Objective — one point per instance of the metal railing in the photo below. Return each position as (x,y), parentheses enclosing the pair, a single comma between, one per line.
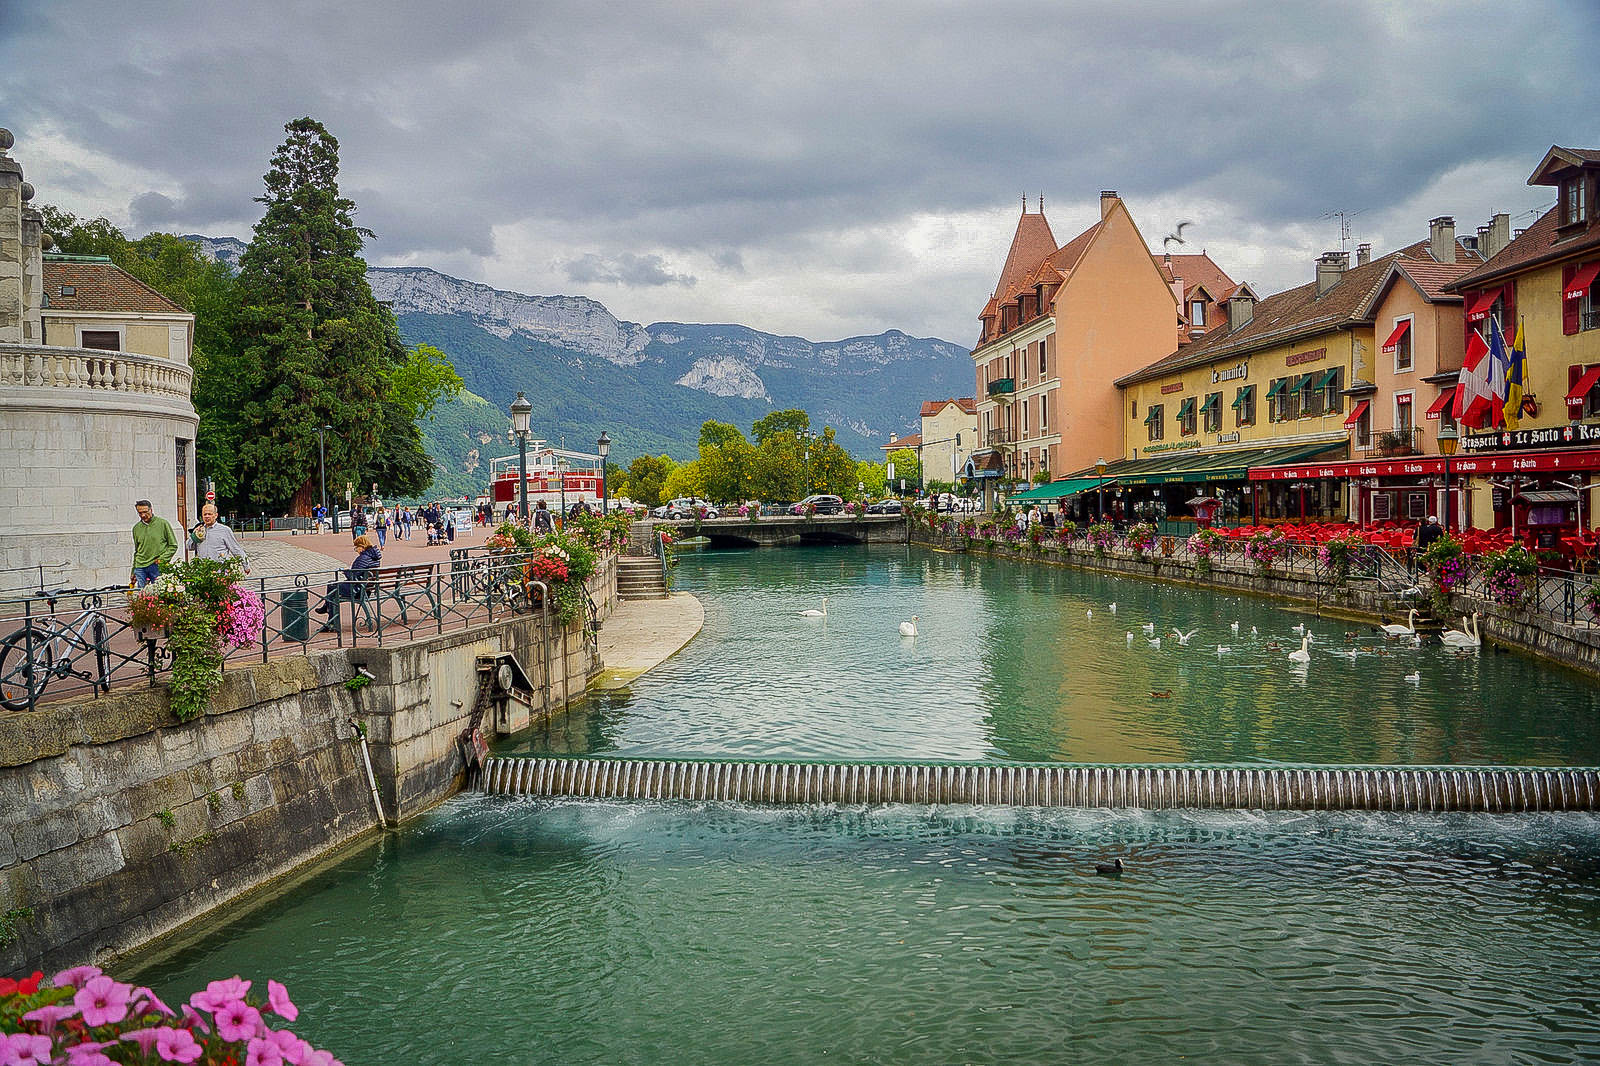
(63,642)
(1002,386)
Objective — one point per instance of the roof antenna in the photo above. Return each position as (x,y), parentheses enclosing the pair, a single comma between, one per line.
(1024,203)
(1041,203)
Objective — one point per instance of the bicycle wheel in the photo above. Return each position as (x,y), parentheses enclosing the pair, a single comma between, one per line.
(22,680)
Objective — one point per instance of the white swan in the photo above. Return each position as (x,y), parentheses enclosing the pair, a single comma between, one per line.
(1089,614)
(1184,638)
(1408,630)
(1302,656)
(1299,628)
(1156,643)
(1149,629)
(814,613)
(1223,649)
(1130,638)
(1235,628)
(1112,607)
(1414,676)
(909,629)
(1465,637)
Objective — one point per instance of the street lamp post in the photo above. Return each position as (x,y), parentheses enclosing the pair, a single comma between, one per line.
(1100,489)
(521,412)
(561,475)
(603,446)
(1447,438)
(322,471)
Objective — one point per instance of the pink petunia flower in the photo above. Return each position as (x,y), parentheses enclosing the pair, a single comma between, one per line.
(25,1049)
(177,1045)
(103,1000)
(237,1021)
(145,1038)
(322,1058)
(77,977)
(89,1054)
(220,994)
(191,1019)
(49,1016)
(146,1000)
(278,1000)
(263,1051)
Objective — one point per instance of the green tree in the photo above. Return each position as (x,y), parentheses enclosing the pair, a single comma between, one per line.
(684,480)
(726,462)
(906,465)
(832,468)
(871,475)
(71,235)
(646,476)
(426,377)
(318,348)
(779,472)
(792,421)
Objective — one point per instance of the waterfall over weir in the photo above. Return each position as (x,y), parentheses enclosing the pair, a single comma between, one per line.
(1365,788)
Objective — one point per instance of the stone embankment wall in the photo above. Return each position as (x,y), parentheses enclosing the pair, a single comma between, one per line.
(118,823)
(1575,646)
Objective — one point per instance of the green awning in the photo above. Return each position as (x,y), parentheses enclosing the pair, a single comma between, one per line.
(1057,490)
(1214,400)
(1244,395)
(1300,383)
(1152,414)
(1277,387)
(1208,466)
(1185,408)
(1326,379)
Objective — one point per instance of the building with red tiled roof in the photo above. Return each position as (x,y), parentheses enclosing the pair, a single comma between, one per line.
(90,302)
(1061,325)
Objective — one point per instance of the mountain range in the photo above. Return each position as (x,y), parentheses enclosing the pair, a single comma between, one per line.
(650,387)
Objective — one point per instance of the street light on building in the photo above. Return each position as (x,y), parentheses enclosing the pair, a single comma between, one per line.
(603,446)
(1447,438)
(521,414)
(1100,489)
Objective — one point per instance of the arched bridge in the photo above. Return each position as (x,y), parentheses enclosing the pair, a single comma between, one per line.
(785,532)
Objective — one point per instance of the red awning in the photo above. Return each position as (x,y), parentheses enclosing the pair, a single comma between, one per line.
(1579,287)
(1480,307)
(1584,384)
(1394,338)
(1357,411)
(1444,400)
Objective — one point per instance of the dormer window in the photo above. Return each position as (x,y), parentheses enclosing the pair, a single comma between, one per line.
(1197,314)
(1574,201)
(69,290)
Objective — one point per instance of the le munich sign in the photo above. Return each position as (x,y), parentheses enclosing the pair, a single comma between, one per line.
(1576,436)
(1233,373)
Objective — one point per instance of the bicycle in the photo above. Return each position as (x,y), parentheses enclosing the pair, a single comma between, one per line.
(45,648)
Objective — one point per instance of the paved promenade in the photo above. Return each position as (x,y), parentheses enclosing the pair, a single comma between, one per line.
(642,634)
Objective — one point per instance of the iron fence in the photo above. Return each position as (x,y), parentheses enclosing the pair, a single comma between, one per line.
(62,642)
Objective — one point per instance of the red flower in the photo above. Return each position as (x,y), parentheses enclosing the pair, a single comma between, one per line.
(30,984)
(8,987)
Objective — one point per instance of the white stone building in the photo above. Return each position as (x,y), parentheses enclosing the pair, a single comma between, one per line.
(95,408)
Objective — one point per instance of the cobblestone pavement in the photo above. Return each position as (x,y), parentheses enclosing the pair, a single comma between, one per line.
(271,557)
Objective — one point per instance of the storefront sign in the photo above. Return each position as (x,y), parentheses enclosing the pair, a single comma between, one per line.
(1175,446)
(1433,465)
(1233,373)
(1228,438)
(1402,399)
(1577,436)
(1306,357)
(1172,386)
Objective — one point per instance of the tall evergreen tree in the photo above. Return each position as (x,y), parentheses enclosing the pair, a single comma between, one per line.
(319,349)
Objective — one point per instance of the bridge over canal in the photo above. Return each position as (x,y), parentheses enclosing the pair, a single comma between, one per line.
(787,532)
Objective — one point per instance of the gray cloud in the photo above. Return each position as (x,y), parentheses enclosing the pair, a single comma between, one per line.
(733,139)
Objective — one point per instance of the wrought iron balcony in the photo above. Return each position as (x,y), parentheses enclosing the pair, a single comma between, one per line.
(1002,387)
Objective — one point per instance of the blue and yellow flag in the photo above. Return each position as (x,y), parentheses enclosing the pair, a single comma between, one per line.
(1514,378)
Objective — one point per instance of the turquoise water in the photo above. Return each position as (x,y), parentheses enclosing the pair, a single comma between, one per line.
(1008,665)
(507,930)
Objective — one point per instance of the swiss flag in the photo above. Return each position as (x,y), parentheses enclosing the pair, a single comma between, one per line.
(1474,404)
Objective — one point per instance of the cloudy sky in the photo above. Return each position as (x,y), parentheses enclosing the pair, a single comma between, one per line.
(808,168)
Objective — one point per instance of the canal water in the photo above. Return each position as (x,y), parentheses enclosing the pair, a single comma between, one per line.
(501,930)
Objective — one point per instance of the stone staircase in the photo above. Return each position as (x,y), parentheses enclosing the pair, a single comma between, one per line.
(640,578)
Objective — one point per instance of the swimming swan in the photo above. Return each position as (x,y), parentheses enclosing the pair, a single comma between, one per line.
(1408,630)
(1303,655)
(1466,636)
(814,613)
(909,629)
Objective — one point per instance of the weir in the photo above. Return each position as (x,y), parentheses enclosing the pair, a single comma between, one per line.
(1490,789)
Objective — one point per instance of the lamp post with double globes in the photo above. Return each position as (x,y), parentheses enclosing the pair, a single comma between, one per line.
(603,446)
(1100,489)
(1447,438)
(521,413)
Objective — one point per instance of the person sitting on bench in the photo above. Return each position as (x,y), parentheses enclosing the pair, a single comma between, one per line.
(367,558)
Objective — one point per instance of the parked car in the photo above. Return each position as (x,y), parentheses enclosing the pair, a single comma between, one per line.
(889,506)
(824,503)
(685,507)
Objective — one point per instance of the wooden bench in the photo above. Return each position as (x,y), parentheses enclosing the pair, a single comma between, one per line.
(400,584)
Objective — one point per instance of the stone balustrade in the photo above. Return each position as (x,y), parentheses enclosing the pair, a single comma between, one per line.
(33,365)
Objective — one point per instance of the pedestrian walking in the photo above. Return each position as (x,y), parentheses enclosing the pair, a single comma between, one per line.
(381,522)
(213,540)
(154,545)
(541,519)
(450,525)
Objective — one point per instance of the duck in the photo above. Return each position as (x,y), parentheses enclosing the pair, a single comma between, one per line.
(1223,649)
(1235,628)
(1302,656)
(814,613)
(1184,638)
(909,629)
(1149,629)
(1112,607)
(1164,694)
(1113,868)
(1395,630)
(1156,643)
(1299,628)
(1253,631)
(1130,638)
(1465,637)
(1089,614)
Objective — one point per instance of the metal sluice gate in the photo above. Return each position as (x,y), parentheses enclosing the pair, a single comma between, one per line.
(1492,789)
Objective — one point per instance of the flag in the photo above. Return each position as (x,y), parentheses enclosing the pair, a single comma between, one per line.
(1499,364)
(1472,395)
(1514,376)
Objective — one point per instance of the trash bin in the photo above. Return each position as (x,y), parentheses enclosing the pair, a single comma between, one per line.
(295,615)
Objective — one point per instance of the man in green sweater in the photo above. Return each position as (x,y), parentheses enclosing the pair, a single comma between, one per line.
(154,545)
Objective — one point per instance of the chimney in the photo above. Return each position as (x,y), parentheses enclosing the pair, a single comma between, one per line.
(1241,309)
(1363,254)
(1442,239)
(1107,198)
(13,305)
(1330,268)
(1493,238)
